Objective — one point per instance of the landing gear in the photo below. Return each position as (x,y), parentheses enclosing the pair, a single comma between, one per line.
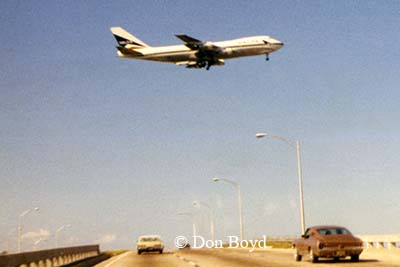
(202,64)
(205,64)
(267,57)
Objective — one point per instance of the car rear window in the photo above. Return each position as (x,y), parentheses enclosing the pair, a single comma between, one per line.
(149,239)
(333,231)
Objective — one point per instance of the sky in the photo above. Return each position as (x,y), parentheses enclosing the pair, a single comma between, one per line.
(117,148)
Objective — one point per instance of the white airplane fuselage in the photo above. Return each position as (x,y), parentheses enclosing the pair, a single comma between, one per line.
(248,46)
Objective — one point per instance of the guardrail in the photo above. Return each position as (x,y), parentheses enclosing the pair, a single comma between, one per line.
(381,241)
(49,258)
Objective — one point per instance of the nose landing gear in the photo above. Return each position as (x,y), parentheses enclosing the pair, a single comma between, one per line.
(267,57)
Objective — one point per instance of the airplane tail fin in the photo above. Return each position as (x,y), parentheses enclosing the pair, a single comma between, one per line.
(124,38)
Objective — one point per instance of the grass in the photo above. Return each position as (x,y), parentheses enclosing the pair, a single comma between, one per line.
(279,243)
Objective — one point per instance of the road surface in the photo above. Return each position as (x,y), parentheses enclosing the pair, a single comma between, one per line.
(228,258)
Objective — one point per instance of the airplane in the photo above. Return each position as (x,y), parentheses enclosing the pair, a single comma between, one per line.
(194,53)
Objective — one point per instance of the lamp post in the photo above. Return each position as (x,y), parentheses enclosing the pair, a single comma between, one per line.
(211,216)
(296,146)
(58,231)
(239,197)
(20,226)
(188,214)
(37,242)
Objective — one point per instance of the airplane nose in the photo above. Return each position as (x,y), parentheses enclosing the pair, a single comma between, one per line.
(278,45)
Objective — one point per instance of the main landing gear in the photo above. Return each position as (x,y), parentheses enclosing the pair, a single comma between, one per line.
(267,57)
(205,64)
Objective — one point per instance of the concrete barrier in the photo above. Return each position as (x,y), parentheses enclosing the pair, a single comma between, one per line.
(381,241)
(49,258)
(89,262)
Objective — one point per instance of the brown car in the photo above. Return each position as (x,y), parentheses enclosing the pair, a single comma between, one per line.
(328,242)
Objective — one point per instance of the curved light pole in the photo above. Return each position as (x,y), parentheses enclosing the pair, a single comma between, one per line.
(188,214)
(20,226)
(296,146)
(211,214)
(37,242)
(239,196)
(59,230)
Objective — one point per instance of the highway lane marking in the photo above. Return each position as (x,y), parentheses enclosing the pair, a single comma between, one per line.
(118,258)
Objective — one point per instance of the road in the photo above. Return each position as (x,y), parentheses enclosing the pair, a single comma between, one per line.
(228,258)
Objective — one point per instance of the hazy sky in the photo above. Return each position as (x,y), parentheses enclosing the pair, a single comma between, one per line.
(117,148)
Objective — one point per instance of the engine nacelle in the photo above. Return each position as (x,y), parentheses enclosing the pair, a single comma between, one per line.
(219,62)
(193,65)
(208,45)
(211,47)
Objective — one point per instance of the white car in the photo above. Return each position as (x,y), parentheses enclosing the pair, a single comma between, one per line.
(149,243)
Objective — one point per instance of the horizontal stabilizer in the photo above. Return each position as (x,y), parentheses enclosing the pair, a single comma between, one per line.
(125,51)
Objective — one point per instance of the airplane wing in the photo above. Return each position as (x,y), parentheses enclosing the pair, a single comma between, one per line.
(190,42)
(207,53)
(196,44)
(187,39)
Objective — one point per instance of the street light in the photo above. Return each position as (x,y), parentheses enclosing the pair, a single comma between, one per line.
(211,214)
(239,196)
(59,230)
(20,226)
(37,242)
(188,214)
(295,145)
